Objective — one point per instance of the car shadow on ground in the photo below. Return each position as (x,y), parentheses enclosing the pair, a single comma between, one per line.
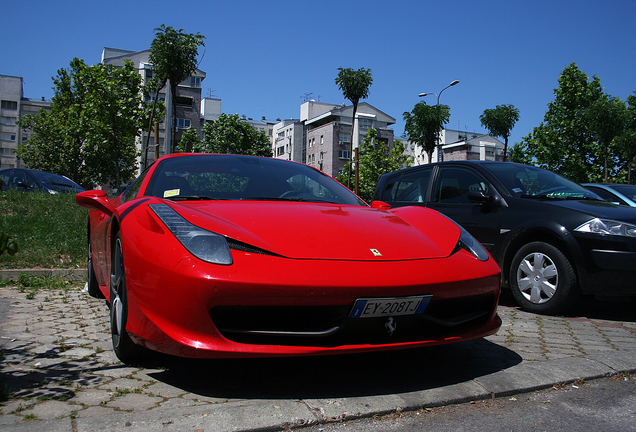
(619,309)
(341,376)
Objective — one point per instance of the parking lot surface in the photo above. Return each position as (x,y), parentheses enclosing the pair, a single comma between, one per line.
(58,371)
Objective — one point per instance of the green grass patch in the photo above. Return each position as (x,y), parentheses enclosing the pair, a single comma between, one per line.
(50,230)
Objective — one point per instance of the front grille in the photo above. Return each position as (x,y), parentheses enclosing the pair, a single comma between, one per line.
(329,326)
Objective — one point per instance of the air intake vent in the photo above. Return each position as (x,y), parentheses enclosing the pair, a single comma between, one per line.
(242,247)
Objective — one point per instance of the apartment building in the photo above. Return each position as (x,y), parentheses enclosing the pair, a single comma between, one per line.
(323,135)
(13,106)
(190,105)
(458,145)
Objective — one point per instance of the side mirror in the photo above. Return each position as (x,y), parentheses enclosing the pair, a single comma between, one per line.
(479,197)
(95,200)
(380,205)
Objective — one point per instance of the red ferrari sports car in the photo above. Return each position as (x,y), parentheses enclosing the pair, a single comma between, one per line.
(215,256)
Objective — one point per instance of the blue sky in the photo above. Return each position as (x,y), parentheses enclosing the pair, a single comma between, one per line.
(263,57)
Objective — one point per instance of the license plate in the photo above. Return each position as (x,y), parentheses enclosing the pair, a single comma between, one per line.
(379,307)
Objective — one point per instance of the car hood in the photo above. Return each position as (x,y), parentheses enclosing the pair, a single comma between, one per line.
(599,209)
(305,230)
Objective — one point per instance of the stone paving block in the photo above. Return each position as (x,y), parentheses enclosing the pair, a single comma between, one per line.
(96,411)
(135,402)
(51,410)
(91,396)
(122,384)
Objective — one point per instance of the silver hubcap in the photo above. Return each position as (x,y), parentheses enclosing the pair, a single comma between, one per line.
(537,278)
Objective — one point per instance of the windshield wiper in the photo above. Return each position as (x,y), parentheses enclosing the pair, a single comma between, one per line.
(194,198)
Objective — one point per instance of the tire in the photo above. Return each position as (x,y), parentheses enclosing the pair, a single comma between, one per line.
(542,279)
(92,285)
(125,349)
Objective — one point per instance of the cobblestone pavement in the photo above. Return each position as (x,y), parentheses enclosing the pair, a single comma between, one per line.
(57,361)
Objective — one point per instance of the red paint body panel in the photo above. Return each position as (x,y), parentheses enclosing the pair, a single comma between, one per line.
(320,256)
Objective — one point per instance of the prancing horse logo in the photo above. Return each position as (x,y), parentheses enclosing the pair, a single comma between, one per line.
(390,326)
(375,252)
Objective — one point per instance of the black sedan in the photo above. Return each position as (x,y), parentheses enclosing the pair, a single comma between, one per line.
(28,180)
(553,239)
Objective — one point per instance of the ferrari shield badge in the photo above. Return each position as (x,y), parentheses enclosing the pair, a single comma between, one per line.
(375,252)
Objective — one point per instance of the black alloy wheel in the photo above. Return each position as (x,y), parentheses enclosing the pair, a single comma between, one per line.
(125,349)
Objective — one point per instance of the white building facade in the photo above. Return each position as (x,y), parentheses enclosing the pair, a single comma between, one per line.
(14,106)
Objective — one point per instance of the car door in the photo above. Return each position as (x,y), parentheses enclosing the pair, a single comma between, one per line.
(449,196)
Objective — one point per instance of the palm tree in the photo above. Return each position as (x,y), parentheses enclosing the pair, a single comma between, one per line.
(355,86)
(173,55)
(499,122)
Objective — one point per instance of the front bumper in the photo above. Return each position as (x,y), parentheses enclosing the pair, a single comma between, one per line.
(609,264)
(272,306)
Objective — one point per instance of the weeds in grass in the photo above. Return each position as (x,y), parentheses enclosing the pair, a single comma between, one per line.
(49,229)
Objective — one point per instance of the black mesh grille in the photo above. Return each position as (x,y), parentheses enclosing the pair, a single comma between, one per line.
(329,326)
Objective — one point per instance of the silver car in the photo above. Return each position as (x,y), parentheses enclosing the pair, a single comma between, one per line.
(621,194)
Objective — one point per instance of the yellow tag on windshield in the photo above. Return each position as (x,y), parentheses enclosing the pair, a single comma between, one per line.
(171,193)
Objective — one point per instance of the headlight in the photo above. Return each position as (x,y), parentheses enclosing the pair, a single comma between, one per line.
(203,244)
(469,243)
(608,227)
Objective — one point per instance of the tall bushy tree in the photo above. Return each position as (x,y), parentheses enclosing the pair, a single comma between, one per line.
(88,136)
(606,118)
(189,140)
(376,159)
(354,85)
(423,124)
(229,134)
(626,142)
(564,141)
(499,122)
(173,55)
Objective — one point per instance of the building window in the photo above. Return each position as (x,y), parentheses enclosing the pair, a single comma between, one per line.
(343,154)
(184,101)
(195,82)
(183,123)
(344,138)
(10,105)
(365,123)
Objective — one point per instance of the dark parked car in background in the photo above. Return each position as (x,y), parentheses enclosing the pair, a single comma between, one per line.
(621,194)
(29,180)
(553,239)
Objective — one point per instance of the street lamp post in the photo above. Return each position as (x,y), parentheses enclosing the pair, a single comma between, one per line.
(455,82)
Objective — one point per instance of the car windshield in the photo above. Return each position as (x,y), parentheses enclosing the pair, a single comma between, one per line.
(54,179)
(628,190)
(531,182)
(234,177)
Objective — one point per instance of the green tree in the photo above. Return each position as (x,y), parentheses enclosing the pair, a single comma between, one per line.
(563,142)
(376,159)
(189,140)
(423,124)
(173,55)
(88,136)
(229,134)
(354,85)
(606,117)
(499,122)
(626,142)
(518,153)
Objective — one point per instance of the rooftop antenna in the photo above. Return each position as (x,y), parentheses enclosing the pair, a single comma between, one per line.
(306,97)
(210,91)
